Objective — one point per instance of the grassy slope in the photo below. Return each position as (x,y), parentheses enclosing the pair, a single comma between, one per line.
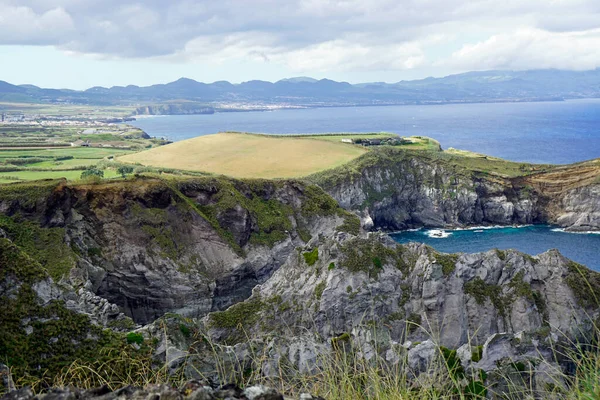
(245,155)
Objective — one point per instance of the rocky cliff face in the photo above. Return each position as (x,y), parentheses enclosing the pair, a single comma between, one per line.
(387,303)
(393,190)
(152,246)
(413,293)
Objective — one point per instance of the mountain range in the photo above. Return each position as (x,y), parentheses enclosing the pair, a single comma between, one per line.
(486,86)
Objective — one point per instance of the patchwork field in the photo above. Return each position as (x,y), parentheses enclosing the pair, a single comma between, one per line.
(37,151)
(251,156)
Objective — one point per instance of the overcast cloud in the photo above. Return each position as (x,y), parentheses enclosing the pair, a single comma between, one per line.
(307,36)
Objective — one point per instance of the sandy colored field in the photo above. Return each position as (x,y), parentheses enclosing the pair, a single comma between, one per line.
(249,156)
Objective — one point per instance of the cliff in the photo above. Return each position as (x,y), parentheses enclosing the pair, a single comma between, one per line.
(174,109)
(153,246)
(214,277)
(407,307)
(394,189)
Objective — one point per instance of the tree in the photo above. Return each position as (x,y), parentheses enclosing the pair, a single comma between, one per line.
(124,170)
(92,173)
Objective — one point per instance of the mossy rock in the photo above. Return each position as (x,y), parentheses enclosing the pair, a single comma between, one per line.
(502,300)
(45,245)
(369,255)
(136,338)
(585,285)
(237,319)
(29,194)
(453,363)
(319,289)
(351,224)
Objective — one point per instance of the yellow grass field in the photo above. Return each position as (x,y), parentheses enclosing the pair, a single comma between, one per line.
(249,156)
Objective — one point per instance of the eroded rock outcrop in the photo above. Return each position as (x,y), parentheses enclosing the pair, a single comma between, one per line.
(410,304)
(399,190)
(417,293)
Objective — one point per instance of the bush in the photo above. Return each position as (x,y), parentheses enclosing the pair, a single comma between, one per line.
(133,337)
(91,173)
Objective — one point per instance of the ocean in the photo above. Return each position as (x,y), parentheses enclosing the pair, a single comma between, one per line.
(530,239)
(542,132)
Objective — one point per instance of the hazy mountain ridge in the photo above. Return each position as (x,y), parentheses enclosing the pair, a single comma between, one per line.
(487,86)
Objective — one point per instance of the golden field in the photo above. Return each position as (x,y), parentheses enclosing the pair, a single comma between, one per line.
(250,156)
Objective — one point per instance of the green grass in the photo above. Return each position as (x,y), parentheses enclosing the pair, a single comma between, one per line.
(28,194)
(17,176)
(337,137)
(75,162)
(76,152)
(491,165)
(40,158)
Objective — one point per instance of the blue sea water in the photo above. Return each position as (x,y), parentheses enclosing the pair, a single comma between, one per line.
(532,239)
(542,132)
(548,132)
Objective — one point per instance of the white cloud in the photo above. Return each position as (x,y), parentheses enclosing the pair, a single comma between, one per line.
(347,56)
(317,35)
(22,25)
(530,48)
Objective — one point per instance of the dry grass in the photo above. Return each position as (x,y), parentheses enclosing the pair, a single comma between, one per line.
(250,156)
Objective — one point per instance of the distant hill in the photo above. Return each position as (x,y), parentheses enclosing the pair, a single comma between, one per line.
(487,86)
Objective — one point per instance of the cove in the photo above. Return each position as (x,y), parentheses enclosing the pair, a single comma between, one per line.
(531,239)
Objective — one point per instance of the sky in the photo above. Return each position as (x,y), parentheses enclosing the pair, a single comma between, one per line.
(78,44)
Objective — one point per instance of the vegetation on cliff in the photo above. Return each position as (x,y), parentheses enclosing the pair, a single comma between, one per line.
(43,341)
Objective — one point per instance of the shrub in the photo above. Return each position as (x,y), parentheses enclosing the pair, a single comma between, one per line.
(133,337)
(311,257)
(92,173)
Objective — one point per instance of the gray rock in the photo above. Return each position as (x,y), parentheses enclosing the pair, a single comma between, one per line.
(261,392)
(21,394)
(421,358)
(6,379)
